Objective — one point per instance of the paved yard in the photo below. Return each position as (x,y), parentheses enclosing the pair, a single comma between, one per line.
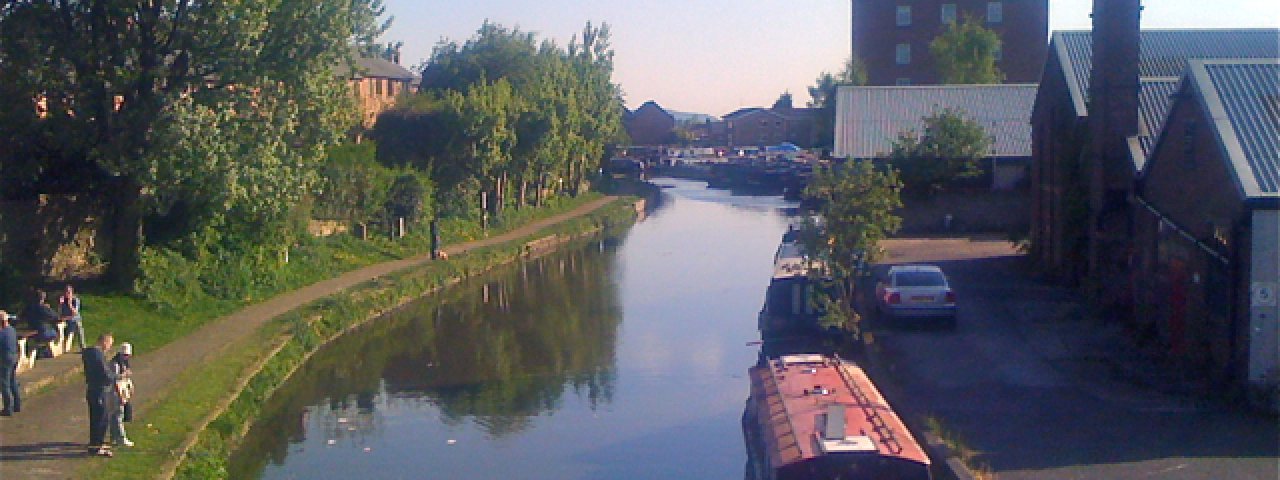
(1046,393)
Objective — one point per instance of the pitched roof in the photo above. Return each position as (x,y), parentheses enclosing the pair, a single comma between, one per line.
(869,119)
(1155,96)
(1162,53)
(1242,100)
(373,67)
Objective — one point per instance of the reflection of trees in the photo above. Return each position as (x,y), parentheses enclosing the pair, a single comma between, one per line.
(497,350)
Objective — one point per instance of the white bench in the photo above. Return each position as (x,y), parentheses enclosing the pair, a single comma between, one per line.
(26,359)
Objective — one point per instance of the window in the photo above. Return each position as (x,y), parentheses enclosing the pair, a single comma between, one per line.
(903,81)
(904,15)
(903,53)
(995,12)
(948,13)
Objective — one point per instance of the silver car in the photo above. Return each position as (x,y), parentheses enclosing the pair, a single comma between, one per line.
(916,292)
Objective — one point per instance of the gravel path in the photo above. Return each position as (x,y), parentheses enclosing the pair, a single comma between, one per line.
(46,440)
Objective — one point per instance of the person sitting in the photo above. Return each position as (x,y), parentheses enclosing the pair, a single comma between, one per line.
(41,318)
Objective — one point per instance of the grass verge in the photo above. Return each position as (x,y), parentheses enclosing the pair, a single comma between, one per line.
(193,427)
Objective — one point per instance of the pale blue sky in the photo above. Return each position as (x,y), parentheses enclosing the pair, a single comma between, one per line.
(715,56)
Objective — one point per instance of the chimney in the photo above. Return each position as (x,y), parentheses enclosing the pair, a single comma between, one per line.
(1113,82)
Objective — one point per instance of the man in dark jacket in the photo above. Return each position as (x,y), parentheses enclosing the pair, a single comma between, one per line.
(100,382)
(9,390)
(40,317)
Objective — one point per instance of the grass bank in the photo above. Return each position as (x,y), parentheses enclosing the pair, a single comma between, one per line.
(197,424)
(149,326)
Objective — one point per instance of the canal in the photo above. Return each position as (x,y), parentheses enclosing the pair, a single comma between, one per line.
(615,358)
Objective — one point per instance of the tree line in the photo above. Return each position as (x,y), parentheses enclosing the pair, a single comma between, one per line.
(213,129)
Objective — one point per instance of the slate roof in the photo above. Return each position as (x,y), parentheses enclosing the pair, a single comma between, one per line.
(372,67)
(869,119)
(1242,100)
(1162,53)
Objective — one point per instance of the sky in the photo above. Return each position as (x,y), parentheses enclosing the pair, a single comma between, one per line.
(715,56)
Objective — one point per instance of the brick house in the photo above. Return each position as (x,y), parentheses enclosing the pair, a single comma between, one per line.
(1069,188)
(1206,264)
(892,37)
(377,83)
(650,124)
(761,127)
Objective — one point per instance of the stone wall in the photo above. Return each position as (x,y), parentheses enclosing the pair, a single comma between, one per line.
(978,211)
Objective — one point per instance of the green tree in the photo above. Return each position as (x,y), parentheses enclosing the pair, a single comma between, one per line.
(857,203)
(123,97)
(823,97)
(950,148)
(966,54)
(783,102)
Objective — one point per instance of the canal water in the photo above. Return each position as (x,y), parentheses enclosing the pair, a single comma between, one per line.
(616,358)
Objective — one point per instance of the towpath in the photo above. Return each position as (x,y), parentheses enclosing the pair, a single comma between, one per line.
(47,439)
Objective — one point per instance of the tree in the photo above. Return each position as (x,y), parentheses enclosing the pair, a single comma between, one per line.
(966,54)
(949,148)
(823,97)
(368,25)
(857,201)
(125,97)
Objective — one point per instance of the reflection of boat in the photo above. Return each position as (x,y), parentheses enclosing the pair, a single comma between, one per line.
(811,416)
(790,307)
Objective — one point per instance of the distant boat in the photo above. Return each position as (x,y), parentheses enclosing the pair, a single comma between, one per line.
(811,416)
(790,306)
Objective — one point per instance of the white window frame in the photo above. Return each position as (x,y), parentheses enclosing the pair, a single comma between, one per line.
(948,13)
(995,12)
(902,54)
(904,16)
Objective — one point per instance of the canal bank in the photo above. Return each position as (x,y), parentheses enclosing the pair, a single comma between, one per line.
(624,358)
(197,373)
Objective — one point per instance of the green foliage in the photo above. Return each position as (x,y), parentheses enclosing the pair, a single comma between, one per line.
(215,110)
(966,54)
(509,117)
(409,198)
(949,148)
(823,97)
(857,203)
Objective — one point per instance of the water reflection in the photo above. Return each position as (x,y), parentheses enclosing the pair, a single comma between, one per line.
(617,359)
(496,352)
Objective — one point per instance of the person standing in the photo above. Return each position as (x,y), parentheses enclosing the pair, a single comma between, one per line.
(69,310)
(12,395)
(100,384)
(123,395)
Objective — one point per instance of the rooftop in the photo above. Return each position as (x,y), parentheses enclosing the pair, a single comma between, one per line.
(869,119)
(1242,99)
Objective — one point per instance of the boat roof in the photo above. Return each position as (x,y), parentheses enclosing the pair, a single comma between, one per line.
(811,405)
(791,262)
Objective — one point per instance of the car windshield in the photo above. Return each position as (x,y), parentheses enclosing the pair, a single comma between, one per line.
(920,279)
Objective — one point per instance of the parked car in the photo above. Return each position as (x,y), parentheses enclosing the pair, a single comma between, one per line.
(916,292)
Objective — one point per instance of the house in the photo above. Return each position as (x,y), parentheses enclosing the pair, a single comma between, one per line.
(1066,166)
(892,38)
(754,126)
(650,124)
(870,119)
(1207,257)
(377,83)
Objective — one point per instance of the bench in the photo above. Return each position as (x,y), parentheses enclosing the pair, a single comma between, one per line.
(29,347)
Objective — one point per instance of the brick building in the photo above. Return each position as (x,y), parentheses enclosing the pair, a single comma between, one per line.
(1064,199)
(761,127)
(650,124)
(1206,264)
(377,83)
(892,37)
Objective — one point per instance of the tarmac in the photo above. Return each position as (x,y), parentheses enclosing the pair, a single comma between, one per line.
(47,440)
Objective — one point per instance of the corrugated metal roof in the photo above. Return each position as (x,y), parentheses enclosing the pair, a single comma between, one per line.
(869,119)
(1154,100)
(1163,53)
(372,67)
(1242,98)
